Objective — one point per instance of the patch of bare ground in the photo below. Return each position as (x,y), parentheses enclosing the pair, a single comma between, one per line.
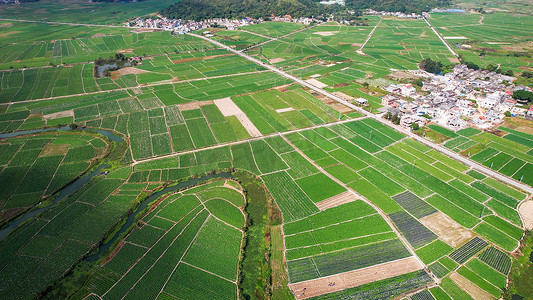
(131,70)
(142,30)
(447,229)
(343,96)
(6,24)
(54,149)
(337,200)
(61,114)
(10,213)
(453,60)
(193,105)
(130,50)
(277,60)
(98,35)
(8,33)
(189,59)
(473,290)
(526,212)
(519,124)
(357,44)
(339,282)
(332,103)
(401,75)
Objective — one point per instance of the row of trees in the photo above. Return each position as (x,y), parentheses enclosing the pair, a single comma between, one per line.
(234,9)
(411,6)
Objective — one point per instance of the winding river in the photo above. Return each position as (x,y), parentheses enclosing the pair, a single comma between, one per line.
(63,193)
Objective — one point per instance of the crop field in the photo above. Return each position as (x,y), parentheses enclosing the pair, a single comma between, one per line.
(274,29)
(36,167)
(188,246)
(350,195)
(509,154)
(498,34)
(402,44)
(68,44)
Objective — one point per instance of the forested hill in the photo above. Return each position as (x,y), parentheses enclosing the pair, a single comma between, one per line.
(406,6)
(232,9)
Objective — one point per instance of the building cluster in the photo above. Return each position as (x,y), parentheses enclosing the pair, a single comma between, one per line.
(182,27)
(393,14)
(461,98)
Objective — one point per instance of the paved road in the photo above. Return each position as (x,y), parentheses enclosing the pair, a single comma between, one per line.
(442,149)
(441,38)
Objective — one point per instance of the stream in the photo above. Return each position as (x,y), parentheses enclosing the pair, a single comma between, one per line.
(63,193)
(144,204)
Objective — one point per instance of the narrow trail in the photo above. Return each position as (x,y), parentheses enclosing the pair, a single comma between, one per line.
(61,23)
(360,50)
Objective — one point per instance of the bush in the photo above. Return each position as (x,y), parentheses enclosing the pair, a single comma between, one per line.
(523,95)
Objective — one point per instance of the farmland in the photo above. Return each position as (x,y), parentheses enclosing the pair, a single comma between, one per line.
(348,206)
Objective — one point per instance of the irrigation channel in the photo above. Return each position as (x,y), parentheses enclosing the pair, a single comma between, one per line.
(63,193)
(144,204)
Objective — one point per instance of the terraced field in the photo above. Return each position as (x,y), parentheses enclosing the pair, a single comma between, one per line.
(360,210)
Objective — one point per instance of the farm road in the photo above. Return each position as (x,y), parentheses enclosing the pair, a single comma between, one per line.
(440,148)
(133,87)
(375,207)
(360,50)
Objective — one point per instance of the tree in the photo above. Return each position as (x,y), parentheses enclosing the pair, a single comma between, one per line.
(523,95)
(507,113)
(415,126)
(431,66)
(527,74)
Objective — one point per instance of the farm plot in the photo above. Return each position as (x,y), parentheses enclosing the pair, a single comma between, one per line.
(468,250)
(41,251)
(193,249)
(37,167)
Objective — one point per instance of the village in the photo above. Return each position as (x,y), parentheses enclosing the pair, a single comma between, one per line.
(461,98)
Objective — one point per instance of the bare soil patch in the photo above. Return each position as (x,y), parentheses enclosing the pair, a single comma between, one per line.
(8,33)
(326,33)
(454,60)
(473,290)
(526,212)
(343,96)
(316,83)
(401,75)
(189,59)
(282,110)
(6,24)
(130,50)
(519,124)
(115,251)
(338,282)
(131,70)
(337,200)
(98,35)
(333,104)
(142,30)
(447,229)
(54,149)
(227,107)
(61,114)
(357,44)
(248,125)
(277,60)
(193,105)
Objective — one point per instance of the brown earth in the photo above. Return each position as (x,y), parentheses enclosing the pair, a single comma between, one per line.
(338,282)
(454,60)
(61,114)
(131,70)
(357,44)
(332,103)
(447,229)
(6,24)
(473,290)
(54,149)
(185,60)
(98,35)
(337,200)
(526,212)
(142,30)
(193,105)
(8,33)
(115,251)
(519,124)
(276,60)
